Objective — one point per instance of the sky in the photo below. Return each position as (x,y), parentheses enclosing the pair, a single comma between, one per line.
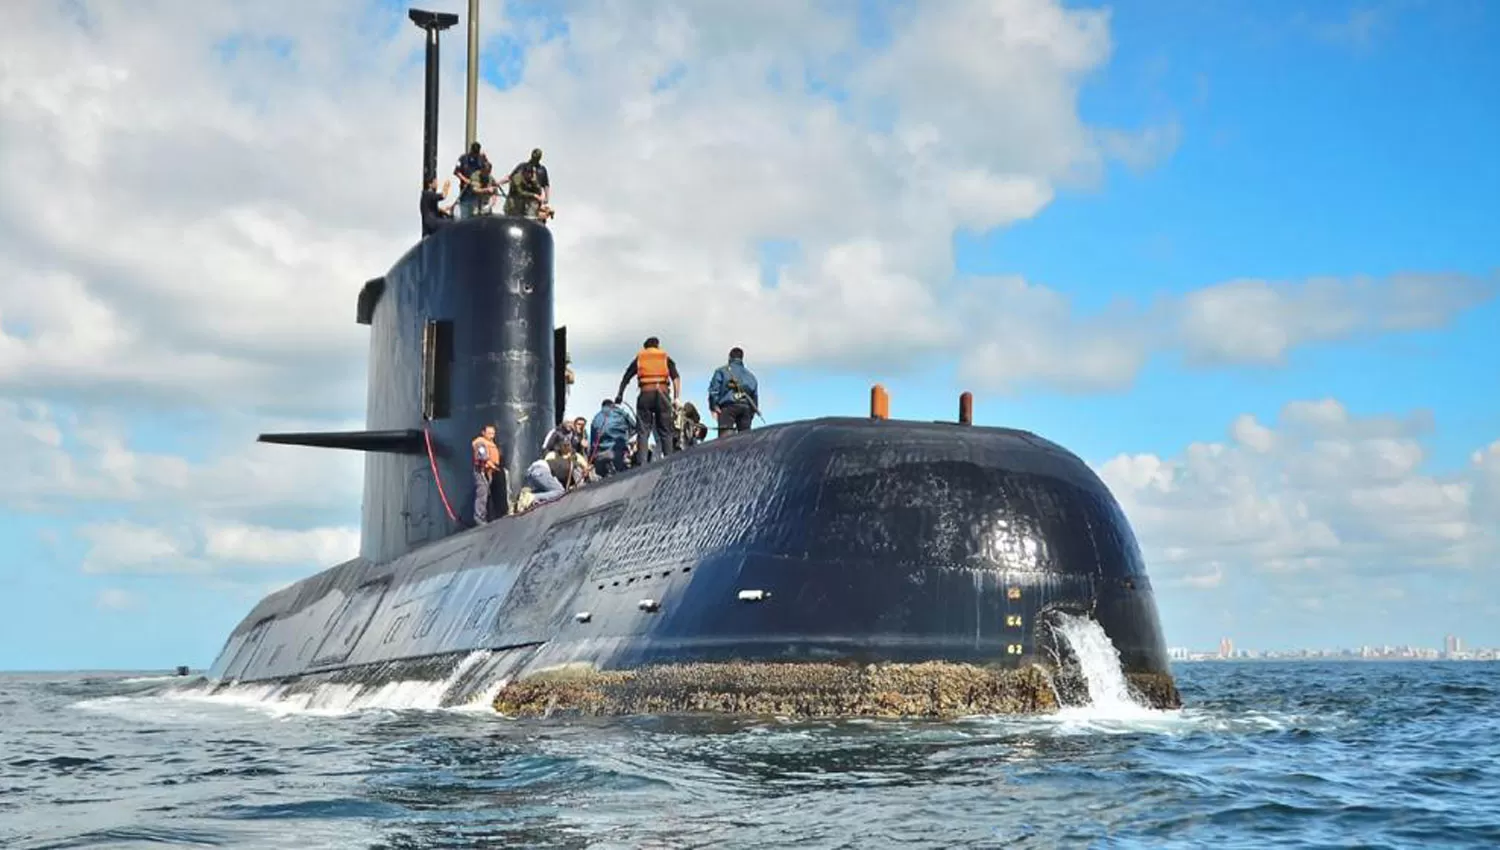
(1240,257)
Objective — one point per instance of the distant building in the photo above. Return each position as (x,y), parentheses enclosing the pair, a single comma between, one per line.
(1452,645)
(1226,648)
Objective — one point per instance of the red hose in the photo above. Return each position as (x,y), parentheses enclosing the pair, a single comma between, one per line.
(432,460)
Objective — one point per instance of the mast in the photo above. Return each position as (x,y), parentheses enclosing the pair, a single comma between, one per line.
(433,23)
(473,92)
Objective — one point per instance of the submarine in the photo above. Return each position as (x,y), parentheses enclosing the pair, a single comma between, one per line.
(838,566)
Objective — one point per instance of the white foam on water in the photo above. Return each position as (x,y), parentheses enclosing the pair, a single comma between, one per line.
(326,700)
(1111,709)
(165,677)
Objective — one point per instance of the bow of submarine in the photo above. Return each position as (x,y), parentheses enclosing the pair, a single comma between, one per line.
(853,540)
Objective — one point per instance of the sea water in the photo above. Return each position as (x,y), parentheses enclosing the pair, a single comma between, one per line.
(1290,754)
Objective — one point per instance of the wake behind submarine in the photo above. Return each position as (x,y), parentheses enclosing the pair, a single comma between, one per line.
(842,566)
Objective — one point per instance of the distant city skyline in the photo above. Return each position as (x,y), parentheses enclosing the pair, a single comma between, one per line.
(1452,649)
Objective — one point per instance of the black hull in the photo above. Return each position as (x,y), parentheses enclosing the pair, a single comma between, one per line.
(869,540)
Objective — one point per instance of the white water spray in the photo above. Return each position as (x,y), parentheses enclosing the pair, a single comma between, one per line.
(332,699)
(1099,662)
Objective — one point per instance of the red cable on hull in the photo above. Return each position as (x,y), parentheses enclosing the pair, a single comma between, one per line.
(438,479)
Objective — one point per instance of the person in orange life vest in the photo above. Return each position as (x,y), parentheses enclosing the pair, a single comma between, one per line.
(654,409)
(486,463)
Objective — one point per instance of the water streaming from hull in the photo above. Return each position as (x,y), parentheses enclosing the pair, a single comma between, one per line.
(1091,683)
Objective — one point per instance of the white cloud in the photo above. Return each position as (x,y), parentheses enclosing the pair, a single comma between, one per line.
(55,458)
(1321,490)
(1258,321)
(209,220)
(127,547)
(232,509)
(115,599)
(236,199)
(201,546)
(195,192)
(316,547)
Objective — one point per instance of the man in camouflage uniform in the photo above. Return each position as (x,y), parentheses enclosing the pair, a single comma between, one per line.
(529,187)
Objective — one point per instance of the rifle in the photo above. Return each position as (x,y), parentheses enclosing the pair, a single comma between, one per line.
(733,386)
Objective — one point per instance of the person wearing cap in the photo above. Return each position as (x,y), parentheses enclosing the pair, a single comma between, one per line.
(654,407)
(530,187)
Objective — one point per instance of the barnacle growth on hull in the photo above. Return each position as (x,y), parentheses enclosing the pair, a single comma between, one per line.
(933,689)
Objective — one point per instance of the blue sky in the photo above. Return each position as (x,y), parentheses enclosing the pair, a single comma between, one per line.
(1337,140)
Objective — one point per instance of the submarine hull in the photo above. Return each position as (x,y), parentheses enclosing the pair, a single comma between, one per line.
(787,569)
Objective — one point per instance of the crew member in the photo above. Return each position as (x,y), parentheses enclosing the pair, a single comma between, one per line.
(580,436)
(486,464)
(552,476)
(530,187)
(609,437)
(563,433)
(485,189)
(468,166)
(570,467)
(435,216)
(733,394)
(652,369)
(690,427)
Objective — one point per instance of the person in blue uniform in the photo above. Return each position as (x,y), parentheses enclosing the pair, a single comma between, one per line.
(468,167)
(609,437)
(734,394)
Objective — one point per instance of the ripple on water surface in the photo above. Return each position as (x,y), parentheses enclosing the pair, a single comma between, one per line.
(1278,755)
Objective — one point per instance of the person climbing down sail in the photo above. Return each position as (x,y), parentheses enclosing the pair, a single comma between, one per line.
(653,369)
(734,394)
(486,457)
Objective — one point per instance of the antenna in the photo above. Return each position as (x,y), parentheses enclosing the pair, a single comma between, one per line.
(433,23)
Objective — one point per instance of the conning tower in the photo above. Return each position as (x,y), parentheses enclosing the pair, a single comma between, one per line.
(461,335)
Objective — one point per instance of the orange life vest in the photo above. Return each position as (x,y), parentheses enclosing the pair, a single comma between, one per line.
(491,461)
(651,368)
